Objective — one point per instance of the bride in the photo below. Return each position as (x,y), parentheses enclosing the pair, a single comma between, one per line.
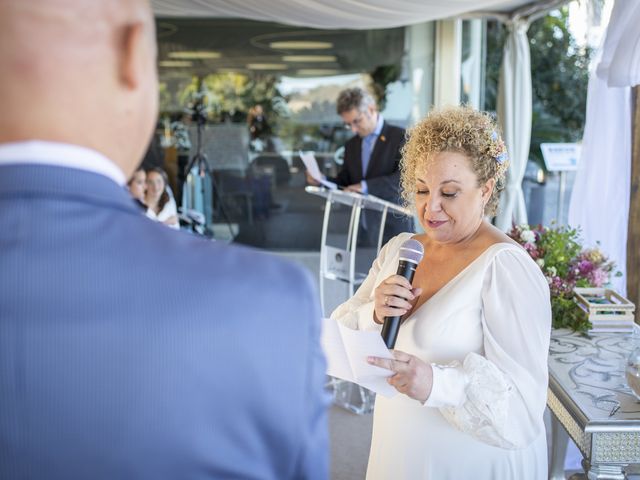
(471,354)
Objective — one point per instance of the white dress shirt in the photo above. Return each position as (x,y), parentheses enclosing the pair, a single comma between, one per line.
(38,152)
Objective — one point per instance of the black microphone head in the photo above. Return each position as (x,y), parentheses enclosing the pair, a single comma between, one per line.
(411,251)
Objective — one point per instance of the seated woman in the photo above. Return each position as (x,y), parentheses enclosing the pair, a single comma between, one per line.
(471,354)
(138,187)
(160,203)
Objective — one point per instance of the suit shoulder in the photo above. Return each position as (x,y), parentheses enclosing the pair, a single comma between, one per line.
(267,270)
(393,130)
(353,141)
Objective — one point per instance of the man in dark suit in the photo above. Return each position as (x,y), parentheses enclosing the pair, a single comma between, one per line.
(129,350)
(371,158)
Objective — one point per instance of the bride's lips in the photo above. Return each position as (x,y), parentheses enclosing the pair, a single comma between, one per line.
(435,223)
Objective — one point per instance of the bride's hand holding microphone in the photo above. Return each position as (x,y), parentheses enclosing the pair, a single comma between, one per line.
(393,297)
(412,376)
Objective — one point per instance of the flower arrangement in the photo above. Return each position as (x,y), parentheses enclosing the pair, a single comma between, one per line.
(565,264)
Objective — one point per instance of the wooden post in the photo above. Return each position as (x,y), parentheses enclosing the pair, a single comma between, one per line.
(633,235)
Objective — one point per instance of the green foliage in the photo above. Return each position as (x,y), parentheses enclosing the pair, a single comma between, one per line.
(566,314)
(560,74)
(382,76)
(226,94)
(565,264)
(560,247)
(233,92)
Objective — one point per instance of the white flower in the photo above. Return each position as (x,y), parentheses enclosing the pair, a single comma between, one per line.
(552,271)
(540,262)
(528,236)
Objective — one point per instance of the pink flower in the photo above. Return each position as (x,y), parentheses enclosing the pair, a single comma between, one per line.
(598,277)
(532,250)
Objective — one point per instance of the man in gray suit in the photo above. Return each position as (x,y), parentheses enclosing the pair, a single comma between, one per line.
(129,350)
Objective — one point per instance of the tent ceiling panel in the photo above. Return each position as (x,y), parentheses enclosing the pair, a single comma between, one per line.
(251,46)
(332,14)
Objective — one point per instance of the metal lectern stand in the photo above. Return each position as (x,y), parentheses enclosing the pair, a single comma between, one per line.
(341,265)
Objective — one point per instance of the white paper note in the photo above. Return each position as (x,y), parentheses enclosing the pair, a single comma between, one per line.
(309,160)
(347,351)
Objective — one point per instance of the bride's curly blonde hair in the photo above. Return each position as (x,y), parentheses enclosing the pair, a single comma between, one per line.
(455,129)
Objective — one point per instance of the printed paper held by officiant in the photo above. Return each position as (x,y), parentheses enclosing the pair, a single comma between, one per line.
(313,172)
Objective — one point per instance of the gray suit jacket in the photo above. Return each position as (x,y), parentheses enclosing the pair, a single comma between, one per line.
(132,351)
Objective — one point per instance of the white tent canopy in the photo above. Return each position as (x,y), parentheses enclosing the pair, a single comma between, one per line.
(352,14)
(600,198)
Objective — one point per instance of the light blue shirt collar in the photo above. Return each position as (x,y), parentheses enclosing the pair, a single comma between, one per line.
(378,129)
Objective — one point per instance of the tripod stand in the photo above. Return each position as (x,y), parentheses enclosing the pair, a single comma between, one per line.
(200,160)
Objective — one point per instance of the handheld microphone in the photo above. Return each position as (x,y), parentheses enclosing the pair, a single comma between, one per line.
(411,253)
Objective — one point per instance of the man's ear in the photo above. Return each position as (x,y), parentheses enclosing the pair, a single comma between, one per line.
(132,52)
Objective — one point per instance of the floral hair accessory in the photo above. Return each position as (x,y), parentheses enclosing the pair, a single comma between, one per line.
(498,149)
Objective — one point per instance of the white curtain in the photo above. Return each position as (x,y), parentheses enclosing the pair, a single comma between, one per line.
(514,115)
(352,14)
(620,63)
(600,198)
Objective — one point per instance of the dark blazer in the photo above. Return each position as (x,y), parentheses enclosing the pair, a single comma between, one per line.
(131,351)
(383,172)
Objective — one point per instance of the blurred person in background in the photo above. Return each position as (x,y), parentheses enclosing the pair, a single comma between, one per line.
(160,203)
(138,187)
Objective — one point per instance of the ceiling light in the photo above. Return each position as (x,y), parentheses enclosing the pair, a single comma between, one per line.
(300,45)
(309,58)
(318,72)
(175,63)
(266,66)
(194,55)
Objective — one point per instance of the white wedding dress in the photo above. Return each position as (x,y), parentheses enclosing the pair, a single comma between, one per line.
(486,333)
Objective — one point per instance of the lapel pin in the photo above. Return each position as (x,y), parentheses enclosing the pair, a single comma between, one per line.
(383,138)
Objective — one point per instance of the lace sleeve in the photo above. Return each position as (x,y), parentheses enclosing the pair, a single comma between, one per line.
(483,414)
(499,397)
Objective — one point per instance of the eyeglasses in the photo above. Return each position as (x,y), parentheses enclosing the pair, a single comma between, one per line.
(355,123)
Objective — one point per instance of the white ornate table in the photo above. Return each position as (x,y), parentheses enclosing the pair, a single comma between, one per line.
(588,396)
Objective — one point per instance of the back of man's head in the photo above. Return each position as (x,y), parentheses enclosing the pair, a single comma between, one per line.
(351,98)
(80,72)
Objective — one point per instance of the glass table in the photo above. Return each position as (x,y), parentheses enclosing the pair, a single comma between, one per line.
(591,402)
